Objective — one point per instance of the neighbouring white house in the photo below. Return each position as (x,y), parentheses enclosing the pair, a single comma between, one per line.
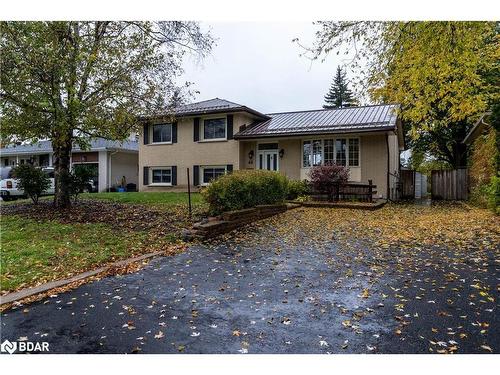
(112,160)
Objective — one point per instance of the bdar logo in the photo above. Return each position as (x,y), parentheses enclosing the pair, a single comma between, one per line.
(8,347)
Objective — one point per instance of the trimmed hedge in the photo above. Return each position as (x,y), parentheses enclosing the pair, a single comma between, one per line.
(298,189)
(245,189)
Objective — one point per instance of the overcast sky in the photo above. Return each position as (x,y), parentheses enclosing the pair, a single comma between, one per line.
(257,65)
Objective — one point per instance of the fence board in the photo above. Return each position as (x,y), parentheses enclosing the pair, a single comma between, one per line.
(407,184)
(449,184)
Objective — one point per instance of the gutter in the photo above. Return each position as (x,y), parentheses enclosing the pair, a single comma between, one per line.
(174,116)
(476,125)
(319,132)
(388,165)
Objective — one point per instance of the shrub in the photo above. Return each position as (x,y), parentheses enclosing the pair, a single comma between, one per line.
(79,180)
(33,181)
(297,189)
(327,179)
(493,194)
(245,189)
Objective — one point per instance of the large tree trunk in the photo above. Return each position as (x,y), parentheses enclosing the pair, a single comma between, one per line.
(460,155)
(62,155)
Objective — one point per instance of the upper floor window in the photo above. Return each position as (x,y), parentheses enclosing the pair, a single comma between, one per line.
(214,128)
(162,133)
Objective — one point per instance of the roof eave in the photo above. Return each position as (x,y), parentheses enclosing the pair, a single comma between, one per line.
(319,132)
(170,117)
(470,137)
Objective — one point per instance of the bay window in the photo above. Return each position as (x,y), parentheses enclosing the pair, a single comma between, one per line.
(341,151)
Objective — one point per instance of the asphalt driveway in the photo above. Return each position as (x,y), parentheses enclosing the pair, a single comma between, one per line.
(300,282)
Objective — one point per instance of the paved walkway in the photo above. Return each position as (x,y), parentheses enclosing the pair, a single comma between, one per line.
(261,292)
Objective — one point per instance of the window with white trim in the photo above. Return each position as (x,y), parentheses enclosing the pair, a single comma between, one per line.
(214,128)
(329,151)
(210,173)
(306,154)
(161,176)
(353,152)
(162,133)
(341,151)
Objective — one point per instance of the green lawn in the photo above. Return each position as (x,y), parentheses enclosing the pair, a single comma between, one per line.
(34,251)
(156,198)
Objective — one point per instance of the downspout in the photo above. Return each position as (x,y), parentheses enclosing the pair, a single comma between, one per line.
(388,165)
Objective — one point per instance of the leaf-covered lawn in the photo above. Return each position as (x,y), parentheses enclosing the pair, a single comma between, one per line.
(37,251)
(90,233)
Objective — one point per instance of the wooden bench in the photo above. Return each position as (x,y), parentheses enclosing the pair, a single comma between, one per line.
(363,192)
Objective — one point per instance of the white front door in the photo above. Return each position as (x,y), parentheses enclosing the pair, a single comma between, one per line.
(268,160)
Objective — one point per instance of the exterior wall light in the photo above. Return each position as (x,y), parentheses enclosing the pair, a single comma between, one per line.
(282,152)
(250,155)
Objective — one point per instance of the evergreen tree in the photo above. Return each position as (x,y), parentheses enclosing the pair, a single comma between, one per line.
(339,95)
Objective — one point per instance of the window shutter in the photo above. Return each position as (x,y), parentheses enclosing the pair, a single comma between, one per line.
(196,129)
(145,131)
(229,168)
(229,134)
(196,175)
(174,175)
(145,180)
(174,132)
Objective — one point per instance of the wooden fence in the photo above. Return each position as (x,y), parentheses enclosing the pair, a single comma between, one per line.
(407,184)
(450,184)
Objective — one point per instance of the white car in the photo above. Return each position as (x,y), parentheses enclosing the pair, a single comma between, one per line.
(8,185)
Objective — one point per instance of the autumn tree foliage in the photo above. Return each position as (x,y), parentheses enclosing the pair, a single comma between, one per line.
(73,81)
(339,95)
(444,74)
(327,179)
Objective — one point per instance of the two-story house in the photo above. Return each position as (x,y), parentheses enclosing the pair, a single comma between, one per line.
(217,136)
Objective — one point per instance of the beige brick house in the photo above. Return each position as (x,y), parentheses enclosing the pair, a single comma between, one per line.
(217,136)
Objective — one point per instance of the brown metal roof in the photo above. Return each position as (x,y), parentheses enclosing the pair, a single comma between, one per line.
(351,119)
(214,105)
